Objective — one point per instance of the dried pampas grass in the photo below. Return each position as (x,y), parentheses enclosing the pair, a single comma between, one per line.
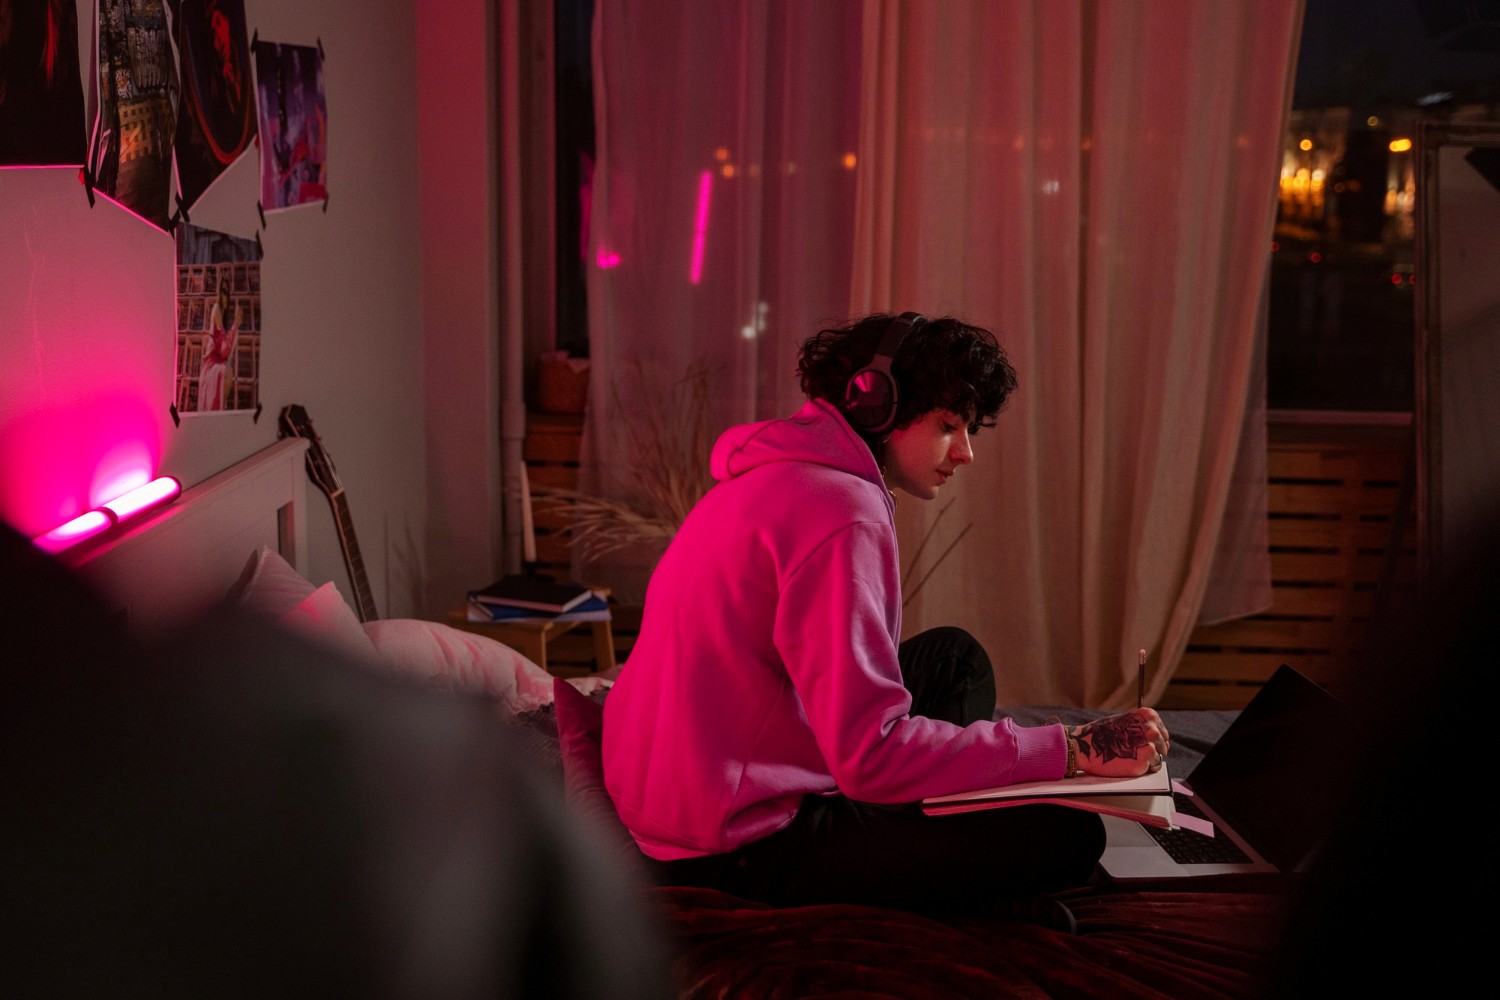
(669,447)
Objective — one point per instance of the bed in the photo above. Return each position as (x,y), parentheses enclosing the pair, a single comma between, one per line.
(240,538)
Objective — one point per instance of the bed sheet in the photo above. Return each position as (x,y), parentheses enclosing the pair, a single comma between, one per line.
(1148,940)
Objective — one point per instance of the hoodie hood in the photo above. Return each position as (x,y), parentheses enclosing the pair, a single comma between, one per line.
(817,434)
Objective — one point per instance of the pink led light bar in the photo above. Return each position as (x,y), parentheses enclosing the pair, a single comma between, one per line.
(159,491)
(83,526)
(162,489)
(700,226)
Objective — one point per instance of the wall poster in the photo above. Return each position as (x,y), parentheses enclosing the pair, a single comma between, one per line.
(216,120)
(41,89)
(218,322)
(293,125)
(130,154)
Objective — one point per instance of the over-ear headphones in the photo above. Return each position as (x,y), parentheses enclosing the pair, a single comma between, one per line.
(870,398)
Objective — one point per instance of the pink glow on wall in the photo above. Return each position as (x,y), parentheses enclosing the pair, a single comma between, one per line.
(700,226)
(124,466)
(607,259)
(58,462)
(83,526)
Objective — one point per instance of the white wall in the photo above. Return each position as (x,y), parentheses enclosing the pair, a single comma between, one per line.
(378,314)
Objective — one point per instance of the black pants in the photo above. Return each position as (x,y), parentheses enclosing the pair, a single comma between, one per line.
(837,850)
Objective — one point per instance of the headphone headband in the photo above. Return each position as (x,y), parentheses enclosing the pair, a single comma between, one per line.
(871,395)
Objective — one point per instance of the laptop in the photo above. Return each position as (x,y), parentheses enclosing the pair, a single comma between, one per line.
(1266,786)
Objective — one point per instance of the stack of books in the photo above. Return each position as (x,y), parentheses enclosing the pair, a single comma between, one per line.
(527,598)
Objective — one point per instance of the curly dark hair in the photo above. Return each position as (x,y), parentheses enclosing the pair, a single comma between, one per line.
(942,364)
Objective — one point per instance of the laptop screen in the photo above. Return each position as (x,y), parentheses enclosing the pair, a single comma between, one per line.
(1271,775)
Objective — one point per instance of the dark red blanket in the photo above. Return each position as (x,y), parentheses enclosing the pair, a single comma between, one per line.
(1158,942)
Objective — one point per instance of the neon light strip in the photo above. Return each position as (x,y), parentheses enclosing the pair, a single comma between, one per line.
(700,227)
(163,489)
(83,526)
(160,490)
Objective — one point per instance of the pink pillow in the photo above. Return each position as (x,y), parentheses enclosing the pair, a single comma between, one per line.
(270,586)
(432,651)
(426,650)
(323,616)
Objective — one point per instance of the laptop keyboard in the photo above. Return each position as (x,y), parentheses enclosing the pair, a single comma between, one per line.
(1189,848)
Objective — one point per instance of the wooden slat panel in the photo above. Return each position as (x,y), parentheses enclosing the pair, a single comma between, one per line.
(1272,633)
(1303,498)
(1300,463)
(1220,697)
(1287,534)
(550,519)
(558,448)
(1351,465)
(538,422)
(551,451)
(1347,604)
(563,477)
(1319,601)
(1341,485)
(1253,667)
(1308,498)
(553,549)
(1318,567)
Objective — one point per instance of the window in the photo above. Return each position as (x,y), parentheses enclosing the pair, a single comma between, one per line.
(1343,286)
(574,95)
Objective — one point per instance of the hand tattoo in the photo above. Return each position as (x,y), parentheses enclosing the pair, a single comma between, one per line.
(1117,736)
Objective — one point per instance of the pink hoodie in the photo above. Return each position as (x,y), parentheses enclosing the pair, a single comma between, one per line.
(766,663)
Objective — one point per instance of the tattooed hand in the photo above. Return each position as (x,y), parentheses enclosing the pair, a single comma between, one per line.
(1122,746)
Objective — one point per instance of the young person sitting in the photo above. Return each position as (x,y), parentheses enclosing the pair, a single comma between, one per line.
(771,735)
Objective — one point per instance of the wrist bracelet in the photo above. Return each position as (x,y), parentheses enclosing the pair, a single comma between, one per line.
(1070,768)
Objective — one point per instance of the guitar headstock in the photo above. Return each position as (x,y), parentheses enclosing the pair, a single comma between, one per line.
(296,423)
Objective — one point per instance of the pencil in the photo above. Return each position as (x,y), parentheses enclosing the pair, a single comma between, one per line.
(1140,680)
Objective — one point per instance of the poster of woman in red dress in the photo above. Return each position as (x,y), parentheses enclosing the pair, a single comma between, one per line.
(218,350)
(218,322)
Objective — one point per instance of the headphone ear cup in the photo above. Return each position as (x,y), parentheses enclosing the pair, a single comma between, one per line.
(870,400)
(871,396)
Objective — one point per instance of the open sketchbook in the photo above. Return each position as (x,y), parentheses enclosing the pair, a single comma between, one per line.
(1147,799)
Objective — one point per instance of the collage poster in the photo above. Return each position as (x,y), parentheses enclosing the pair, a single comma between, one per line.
(41,88)
(218,322)
(293,125)
(130,154)
(216,119)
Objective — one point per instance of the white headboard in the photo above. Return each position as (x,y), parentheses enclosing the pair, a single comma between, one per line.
(181,560)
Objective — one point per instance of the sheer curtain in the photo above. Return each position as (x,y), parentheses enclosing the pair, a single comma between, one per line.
(1092,180)
(722,220)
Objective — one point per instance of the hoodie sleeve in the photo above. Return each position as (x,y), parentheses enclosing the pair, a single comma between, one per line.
(837,625)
